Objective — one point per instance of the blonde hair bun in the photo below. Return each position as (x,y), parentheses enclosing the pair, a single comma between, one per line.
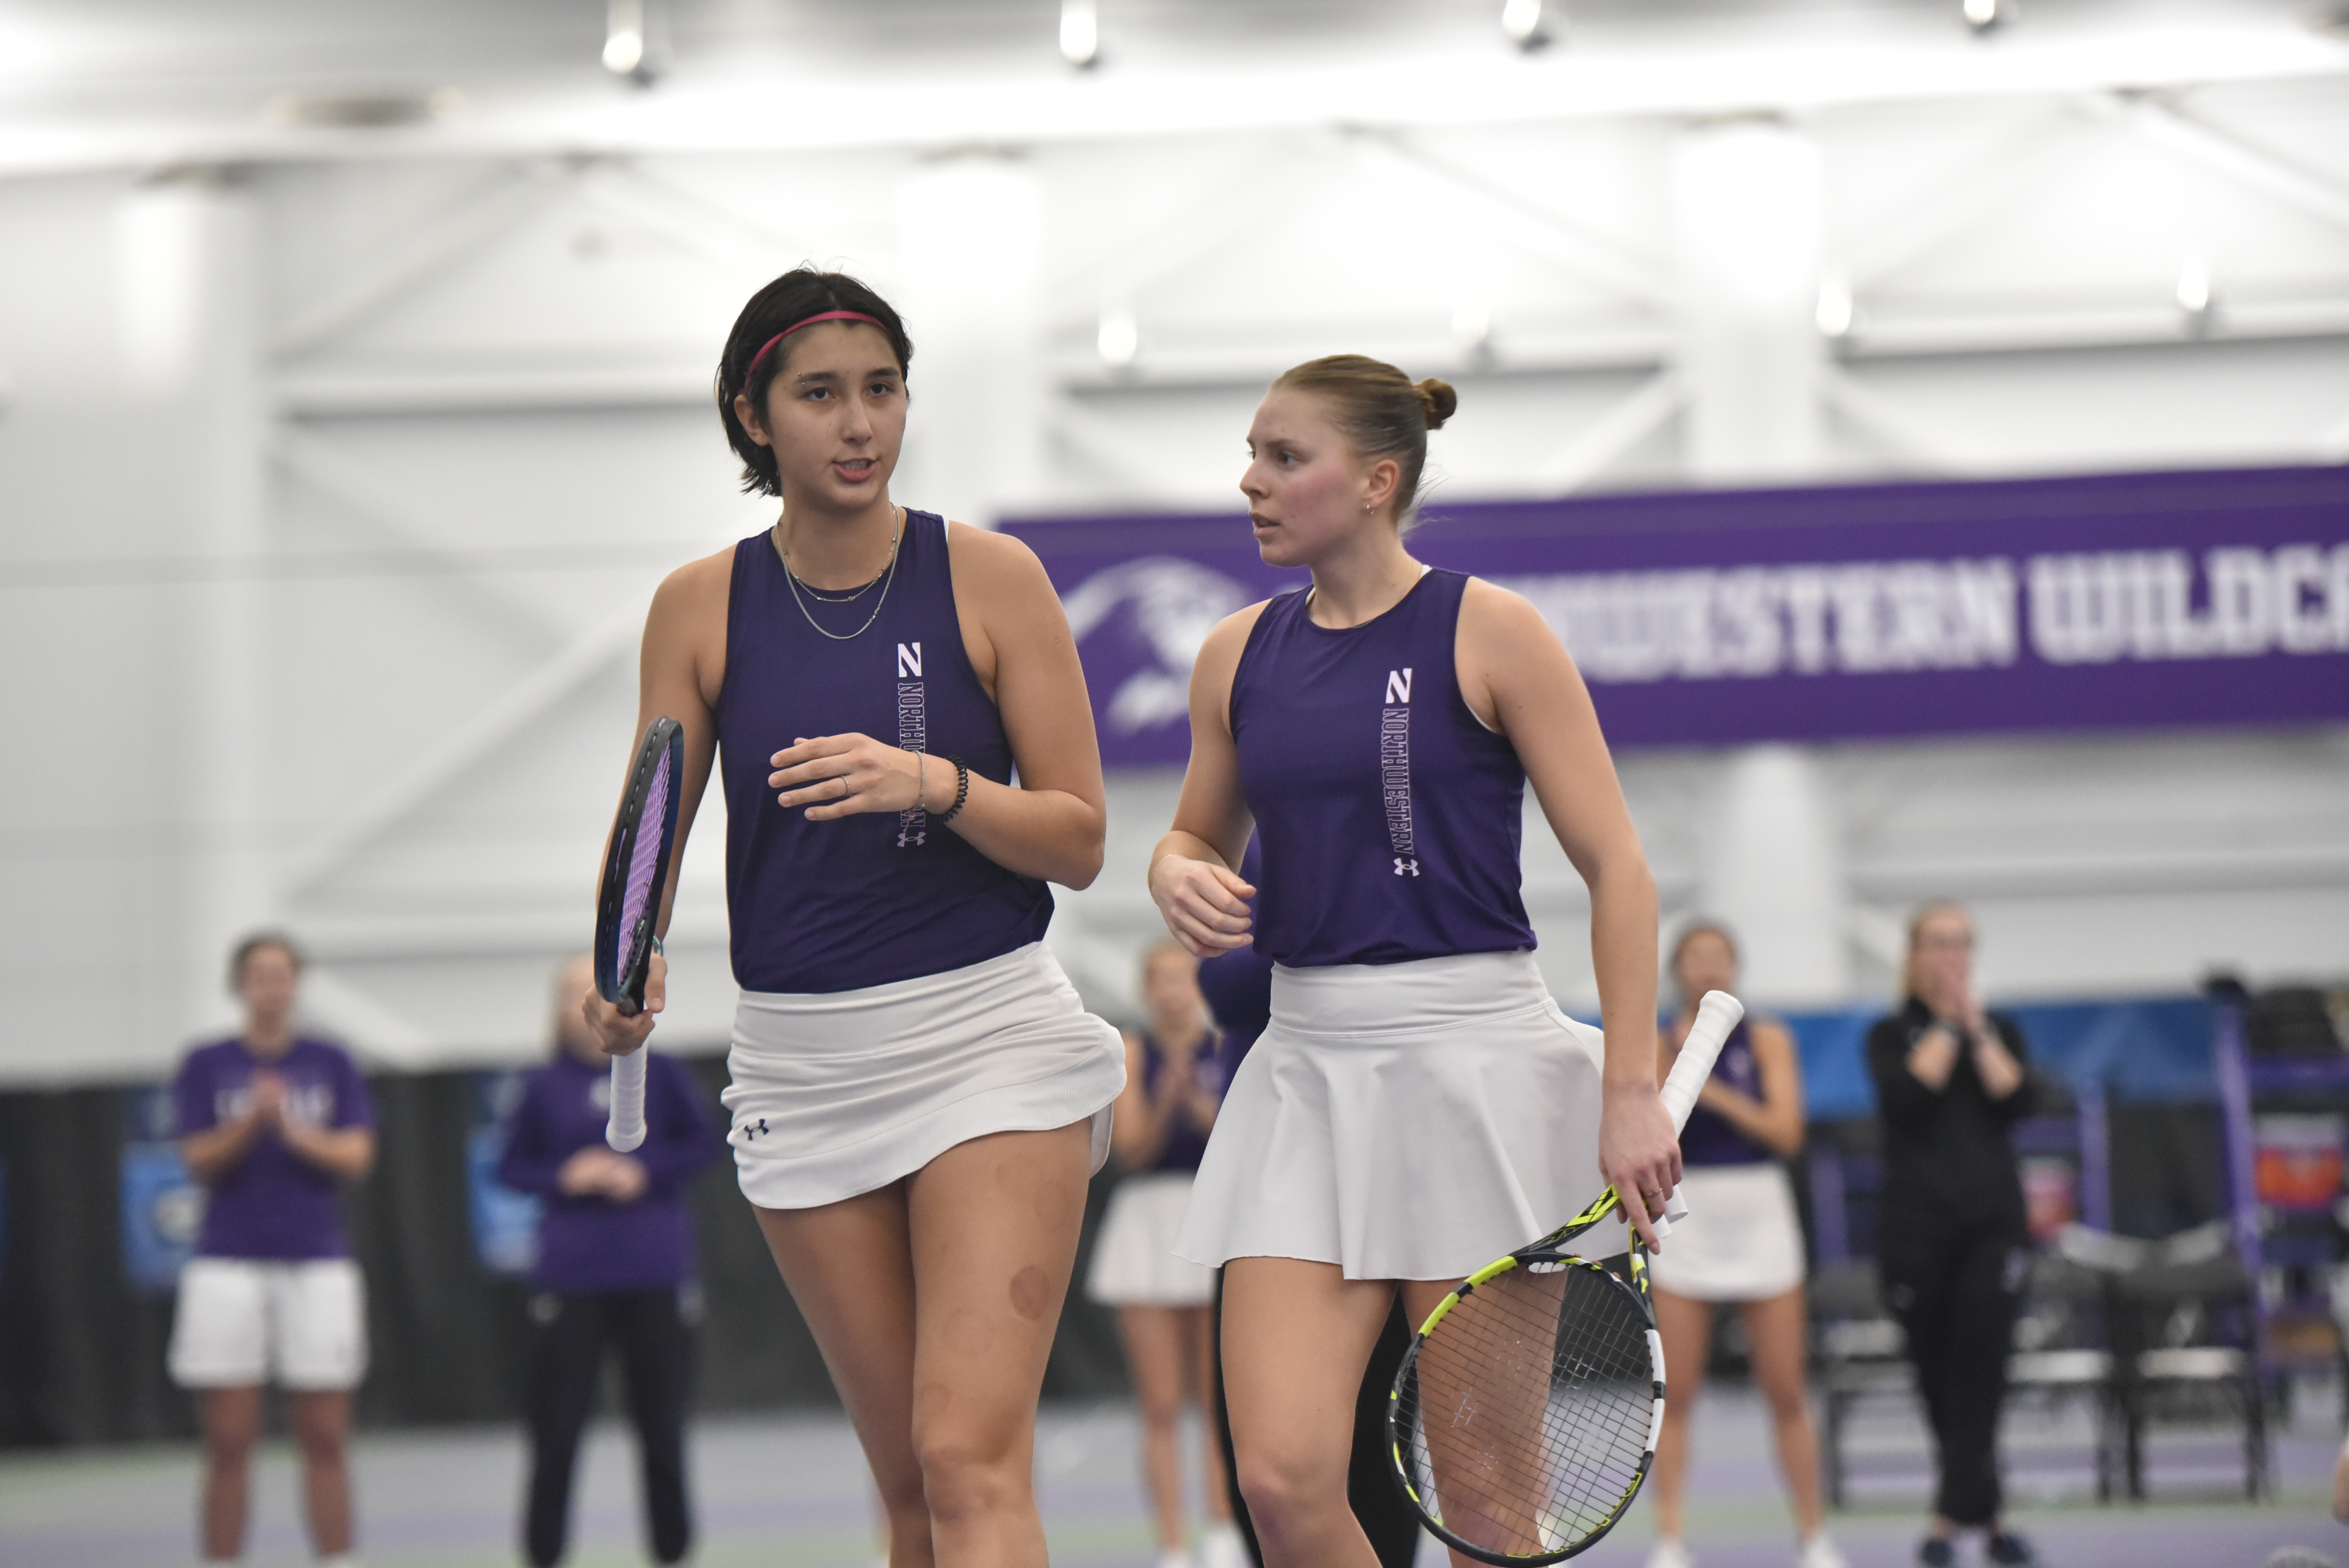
(1438,400)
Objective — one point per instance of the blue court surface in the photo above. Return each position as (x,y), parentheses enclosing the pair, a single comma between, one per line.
(789,1493)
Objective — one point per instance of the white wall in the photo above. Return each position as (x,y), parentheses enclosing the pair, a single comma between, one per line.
(482,365)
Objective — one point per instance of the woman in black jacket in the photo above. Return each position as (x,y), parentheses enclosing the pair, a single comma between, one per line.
(1953,1248)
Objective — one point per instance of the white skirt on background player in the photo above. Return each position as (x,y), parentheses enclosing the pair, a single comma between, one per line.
(839,1093)
(1741,1241)
(1404,1121)
(1134,1262)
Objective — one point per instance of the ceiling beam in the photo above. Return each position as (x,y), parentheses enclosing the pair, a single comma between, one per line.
(461,748)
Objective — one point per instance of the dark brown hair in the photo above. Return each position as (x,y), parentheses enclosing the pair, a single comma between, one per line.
(1380,411)
(798,295)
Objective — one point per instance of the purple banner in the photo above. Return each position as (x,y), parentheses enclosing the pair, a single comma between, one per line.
(2136,600)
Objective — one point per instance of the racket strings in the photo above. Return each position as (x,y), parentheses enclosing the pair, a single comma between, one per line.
(1526,1413)
(644,860)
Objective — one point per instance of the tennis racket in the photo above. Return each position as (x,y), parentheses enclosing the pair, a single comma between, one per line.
(628,907)
(1524,1414)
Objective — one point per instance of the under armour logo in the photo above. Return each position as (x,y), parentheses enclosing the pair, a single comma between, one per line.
(750,1132)
(1405,866)
(916,840)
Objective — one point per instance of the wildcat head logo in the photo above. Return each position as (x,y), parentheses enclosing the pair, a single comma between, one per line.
(1169,605)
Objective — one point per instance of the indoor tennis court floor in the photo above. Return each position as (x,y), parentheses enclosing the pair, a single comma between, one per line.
(789,1493)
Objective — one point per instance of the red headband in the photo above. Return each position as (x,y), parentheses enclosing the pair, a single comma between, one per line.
(752,369)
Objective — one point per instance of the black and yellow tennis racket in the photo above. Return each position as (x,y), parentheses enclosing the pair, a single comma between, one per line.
(1524,1414)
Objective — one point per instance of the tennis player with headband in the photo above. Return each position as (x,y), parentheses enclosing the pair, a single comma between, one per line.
(919,1098)
(1418,1105)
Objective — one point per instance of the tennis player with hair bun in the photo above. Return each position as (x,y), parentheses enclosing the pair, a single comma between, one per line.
(1418,1105)
(918,1097)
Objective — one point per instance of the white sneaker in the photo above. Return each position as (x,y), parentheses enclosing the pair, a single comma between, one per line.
(1670,1553)
(1222,1546)
(1818,1552)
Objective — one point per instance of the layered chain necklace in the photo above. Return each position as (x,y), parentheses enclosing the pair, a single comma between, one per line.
(884,577)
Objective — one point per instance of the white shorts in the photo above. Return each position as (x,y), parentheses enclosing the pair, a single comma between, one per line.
(1404,1121)
(248,1321)
(1741,1242)
(843,1092)
(1134,1262)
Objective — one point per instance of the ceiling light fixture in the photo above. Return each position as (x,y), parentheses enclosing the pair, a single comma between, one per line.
(2195,295)
(1526,23)
(1834,312)
(1472,323)
(1080,33)
(1983,15)
(1119,339)
(630,41)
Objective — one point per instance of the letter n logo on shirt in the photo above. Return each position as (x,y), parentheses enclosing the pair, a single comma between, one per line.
(1399,686)
(910,660)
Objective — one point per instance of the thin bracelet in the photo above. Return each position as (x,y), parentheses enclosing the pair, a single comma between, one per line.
(921,780)
(962,791)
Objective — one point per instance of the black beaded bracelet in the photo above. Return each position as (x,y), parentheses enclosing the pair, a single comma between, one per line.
(962,791)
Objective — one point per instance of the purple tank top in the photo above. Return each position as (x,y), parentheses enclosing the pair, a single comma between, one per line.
(864,899)
(1390,817)
(1709,1139)
(1184,1143)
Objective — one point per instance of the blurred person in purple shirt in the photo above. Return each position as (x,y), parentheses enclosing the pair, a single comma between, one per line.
(615,1264)
(271,1124)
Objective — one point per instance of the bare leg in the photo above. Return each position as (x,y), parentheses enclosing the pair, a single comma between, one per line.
(994,1226)
(1154,1349)
(849,1267)
(321,1419)
(1198,1340)
(1777,1326)
(1686,1326)
(1419,1299)
(232,1422)
(1296,1336)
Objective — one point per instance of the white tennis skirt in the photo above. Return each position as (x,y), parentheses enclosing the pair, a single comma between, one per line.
(845,1092)
(1404,1121)
(1741,1241)
(1134,1262)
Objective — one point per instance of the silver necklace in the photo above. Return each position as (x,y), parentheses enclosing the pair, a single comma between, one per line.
(887,576)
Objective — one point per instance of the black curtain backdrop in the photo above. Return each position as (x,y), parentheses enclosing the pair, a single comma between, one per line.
(81,1351)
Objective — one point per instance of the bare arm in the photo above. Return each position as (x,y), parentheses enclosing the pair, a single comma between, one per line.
(1194,871)
(1050,824)
(221,1148)
(1516,677)
(1775,1120)
(680,670)
(345,1153)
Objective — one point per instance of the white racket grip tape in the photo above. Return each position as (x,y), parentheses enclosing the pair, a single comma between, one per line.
(625,1129)
(1715,1017)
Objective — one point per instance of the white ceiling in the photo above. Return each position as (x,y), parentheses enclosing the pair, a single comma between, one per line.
(114,83)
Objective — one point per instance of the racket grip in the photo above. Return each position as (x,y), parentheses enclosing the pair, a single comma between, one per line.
(625,1129)
(1715,1017)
